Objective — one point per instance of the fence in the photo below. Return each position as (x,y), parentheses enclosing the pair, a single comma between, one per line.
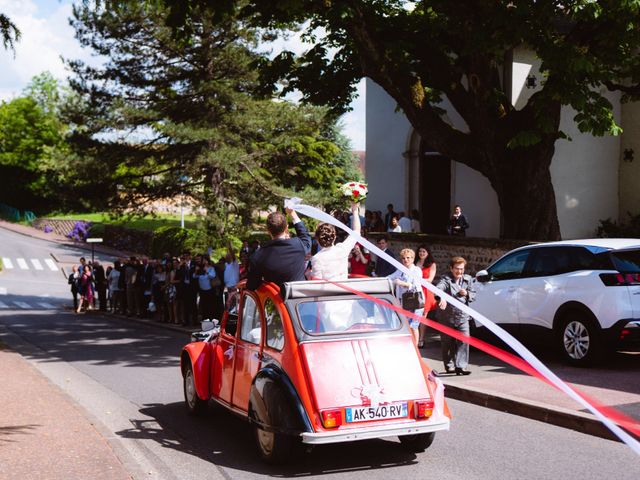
(14,215)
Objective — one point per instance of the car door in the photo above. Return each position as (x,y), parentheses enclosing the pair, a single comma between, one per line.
(222,374)
(541,290)
(496,296)
(248,351)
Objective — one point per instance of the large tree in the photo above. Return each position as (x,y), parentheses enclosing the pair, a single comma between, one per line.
(169,114)
(425,51)
(31,135)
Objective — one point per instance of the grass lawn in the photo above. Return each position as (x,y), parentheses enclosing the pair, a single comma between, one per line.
(140,223)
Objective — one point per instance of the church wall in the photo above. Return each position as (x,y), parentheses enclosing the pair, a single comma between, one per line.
(630,169)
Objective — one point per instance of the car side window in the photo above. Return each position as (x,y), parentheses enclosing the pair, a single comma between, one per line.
(250,330)
(231,326)
(547,261)
(510,267)
(275,328)
(583,259)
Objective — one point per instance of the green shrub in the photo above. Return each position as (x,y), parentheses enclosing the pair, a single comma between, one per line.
(611,229)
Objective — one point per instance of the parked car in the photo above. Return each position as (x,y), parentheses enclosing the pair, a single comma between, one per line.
(581,295)
(314,364)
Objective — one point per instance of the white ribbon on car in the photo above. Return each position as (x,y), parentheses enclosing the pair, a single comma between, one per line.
(297,205)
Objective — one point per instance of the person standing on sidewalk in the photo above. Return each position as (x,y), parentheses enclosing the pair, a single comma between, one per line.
(455,353)
(101,285)
(74,279)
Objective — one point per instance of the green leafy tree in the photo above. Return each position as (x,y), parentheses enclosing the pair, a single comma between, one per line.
(424,52)
(169,115)
(30,134)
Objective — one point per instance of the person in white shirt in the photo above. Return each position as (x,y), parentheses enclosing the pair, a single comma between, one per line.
(404,222)
(407,283)
(332,261)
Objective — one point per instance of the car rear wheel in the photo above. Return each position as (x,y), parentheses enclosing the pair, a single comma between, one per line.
(417,443)
(579,340)
(195,405)
(275,448)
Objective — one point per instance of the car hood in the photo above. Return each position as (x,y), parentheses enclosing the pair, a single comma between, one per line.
(363,371)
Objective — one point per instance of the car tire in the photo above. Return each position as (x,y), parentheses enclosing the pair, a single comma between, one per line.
(417,443)
(579,339)
(195,405)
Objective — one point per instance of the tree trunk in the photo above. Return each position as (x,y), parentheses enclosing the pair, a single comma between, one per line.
(526,196)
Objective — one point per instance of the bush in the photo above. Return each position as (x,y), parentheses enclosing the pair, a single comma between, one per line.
(80,231)
(611,229)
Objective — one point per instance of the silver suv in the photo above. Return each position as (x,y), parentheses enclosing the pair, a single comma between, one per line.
(581,295)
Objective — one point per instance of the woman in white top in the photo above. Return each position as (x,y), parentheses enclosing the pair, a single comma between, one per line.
(406,283)
(332,261)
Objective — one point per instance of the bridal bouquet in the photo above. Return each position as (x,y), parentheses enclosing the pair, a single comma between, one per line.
(355,191)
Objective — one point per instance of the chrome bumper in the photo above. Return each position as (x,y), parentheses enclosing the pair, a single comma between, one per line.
(350,434)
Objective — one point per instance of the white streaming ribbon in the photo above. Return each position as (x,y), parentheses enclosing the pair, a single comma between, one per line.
(297,205)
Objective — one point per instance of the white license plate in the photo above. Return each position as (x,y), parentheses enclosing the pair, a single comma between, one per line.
(381,412)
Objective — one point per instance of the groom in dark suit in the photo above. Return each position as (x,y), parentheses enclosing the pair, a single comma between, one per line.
(283,259)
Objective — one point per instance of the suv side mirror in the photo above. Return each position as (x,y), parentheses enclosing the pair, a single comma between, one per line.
(483,276)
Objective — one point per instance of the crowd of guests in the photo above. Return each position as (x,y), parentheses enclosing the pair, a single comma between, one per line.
(179,290)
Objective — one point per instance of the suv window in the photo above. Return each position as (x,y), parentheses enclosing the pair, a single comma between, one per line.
(627,261)
(546,261)
(250,327)
(275,330)
(510,267)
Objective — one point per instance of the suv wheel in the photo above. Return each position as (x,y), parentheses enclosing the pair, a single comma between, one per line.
(579,339)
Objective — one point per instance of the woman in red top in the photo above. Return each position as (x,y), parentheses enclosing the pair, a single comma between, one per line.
(358,261)
(425,261)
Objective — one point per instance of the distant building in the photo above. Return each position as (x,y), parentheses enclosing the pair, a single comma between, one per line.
(594,177)
(361,154)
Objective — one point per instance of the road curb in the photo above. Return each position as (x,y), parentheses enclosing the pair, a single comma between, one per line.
(558,416)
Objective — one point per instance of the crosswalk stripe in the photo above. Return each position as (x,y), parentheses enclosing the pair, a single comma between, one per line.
(36,264)
(52,266)
(46,305)
(3,291)
(23,305)
(7,262)
(3,305)
(22,263)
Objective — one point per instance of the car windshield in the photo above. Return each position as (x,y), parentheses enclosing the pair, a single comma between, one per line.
(346,316)
(627,261)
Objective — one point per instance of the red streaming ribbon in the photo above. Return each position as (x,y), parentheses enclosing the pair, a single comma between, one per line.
(630,424)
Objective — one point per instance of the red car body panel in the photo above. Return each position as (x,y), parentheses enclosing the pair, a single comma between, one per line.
(342,368)
(200,357)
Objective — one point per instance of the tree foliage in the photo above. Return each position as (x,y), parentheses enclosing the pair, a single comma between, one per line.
(426,52)
(31,135)
(9,33)
(169,115)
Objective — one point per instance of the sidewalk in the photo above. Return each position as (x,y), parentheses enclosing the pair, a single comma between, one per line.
(42,432)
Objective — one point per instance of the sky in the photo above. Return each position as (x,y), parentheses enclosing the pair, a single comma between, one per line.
(47,37)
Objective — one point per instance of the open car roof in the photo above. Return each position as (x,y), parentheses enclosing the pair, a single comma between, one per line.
(322,288)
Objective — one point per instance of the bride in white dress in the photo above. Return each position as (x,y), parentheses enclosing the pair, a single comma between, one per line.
(331,263)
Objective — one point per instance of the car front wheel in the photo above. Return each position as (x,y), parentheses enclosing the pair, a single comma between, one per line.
(579,340)
(417,443)
(195,405)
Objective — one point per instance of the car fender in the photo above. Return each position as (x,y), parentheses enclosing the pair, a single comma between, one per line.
(275,404)
(573,306)
(198,354)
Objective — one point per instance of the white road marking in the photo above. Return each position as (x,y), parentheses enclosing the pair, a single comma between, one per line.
(3,291)
(7,262)
(50,263)
(46,305)
(3,305)
(22,263)
(23,305)
(36,264)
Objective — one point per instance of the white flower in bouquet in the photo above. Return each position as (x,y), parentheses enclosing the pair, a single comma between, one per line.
(355,191)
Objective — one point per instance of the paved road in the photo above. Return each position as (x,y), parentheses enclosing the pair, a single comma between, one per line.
(126,378)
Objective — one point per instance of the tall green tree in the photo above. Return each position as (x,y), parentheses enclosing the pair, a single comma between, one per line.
(30,135)
(427,51)
(168,115)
